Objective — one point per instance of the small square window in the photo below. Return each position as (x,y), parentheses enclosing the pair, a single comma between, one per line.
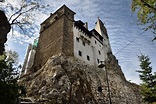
(98,61)
(77,39)
(83,43)
(80,53)
(99,52)
(88,58)
(95,41)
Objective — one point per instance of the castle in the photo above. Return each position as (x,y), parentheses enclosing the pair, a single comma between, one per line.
(61,34)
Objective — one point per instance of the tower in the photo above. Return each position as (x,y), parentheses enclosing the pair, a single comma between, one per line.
(100,28)
(56,36)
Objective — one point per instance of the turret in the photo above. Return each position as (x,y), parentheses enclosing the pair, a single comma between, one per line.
(56,36)
(100,28)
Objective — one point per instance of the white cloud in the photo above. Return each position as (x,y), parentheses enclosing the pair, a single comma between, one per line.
(119,23)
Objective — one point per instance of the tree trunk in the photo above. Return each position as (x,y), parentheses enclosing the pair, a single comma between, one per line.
(4,30)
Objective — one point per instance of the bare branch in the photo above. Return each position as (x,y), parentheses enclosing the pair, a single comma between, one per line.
(16,13)
(19,23)
(21,28)
(21,14)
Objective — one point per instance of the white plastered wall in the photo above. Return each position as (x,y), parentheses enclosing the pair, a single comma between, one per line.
(92,49)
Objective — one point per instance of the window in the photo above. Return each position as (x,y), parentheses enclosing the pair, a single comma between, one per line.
(88,58)
(83,43)
(77,39)
(98,61)
(80,53)
(99,52)
(100,89)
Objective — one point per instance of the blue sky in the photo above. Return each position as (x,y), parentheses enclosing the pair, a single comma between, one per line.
(127,39)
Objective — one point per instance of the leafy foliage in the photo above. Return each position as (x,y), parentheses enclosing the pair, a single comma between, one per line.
(9,88)
(146,12)
(148,86)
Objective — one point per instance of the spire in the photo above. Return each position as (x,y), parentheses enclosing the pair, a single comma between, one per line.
(100,28)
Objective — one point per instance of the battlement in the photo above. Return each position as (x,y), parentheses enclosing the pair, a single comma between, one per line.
(63,11)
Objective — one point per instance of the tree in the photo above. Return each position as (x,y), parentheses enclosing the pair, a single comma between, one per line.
(19,18)
(21,15)
(4,30)
(146,13)
(148,85)
(9,88)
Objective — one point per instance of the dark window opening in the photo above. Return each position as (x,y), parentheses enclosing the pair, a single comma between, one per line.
(88,58)
(99,52)
(77,39)
(83,43)
(80,53)
(98,61)
(40,66)
(100,89)
(95,41)
(55,17)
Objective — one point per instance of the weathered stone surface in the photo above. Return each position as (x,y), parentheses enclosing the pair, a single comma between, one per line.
(67,80)
(56,36)
(4,30)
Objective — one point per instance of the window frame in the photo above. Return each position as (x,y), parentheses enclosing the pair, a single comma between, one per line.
(98,61)
(99,52)
(88,58)
(83,43)
(77,39)
(79,53)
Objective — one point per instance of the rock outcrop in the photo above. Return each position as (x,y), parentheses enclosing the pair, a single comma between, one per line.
(67,80)
(4,30)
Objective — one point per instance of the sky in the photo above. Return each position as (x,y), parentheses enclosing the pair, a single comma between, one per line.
(127,39)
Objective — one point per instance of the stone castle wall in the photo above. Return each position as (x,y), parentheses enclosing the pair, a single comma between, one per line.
(56,37)
(68,42)
(50,43)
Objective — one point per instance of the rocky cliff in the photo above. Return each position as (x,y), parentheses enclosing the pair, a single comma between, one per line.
(67,80)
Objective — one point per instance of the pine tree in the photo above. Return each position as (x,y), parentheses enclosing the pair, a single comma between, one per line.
(148,85)
(9,88)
